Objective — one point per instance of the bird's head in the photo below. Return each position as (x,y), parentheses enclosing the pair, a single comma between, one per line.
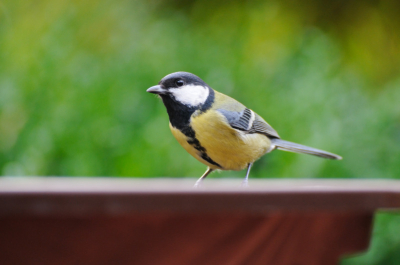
(182,88)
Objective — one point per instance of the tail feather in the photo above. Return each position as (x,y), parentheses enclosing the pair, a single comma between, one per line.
(298,148)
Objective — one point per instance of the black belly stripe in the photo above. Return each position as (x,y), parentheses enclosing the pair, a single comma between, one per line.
(193,141)
(209,160)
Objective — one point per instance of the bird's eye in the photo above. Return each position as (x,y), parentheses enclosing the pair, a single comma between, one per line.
(179,82)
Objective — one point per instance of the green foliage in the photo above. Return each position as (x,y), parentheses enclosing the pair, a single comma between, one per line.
(73,76)
(385,244)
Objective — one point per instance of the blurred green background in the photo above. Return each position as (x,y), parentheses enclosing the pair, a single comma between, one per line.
(73,76)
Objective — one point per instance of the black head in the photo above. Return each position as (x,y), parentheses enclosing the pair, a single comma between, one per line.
(183,93)
(180,79)
(182,87)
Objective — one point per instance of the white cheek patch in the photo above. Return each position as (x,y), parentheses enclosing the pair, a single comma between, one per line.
(190,94)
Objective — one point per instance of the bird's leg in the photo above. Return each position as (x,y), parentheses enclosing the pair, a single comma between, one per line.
(200,180)
(245,182)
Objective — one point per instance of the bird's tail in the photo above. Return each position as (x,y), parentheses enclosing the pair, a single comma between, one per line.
(298,148)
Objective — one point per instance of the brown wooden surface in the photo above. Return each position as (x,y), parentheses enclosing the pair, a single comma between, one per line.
(124,196)
(278,238)
(123,221)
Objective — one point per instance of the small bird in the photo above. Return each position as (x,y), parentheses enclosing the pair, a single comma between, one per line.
(216,129)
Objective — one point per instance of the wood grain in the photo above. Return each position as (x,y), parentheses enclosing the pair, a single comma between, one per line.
(275,238)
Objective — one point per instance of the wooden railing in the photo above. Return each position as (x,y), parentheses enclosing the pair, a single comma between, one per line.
(166,221)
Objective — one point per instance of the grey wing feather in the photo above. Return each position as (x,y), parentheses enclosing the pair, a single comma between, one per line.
(261,126)
(238,120)
(248,121)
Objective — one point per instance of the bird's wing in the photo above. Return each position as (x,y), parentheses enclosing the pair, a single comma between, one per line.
(248,121)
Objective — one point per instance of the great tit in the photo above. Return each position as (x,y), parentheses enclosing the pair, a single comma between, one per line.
(216,129)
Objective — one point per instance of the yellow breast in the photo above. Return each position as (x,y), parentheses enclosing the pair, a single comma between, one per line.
(230,148)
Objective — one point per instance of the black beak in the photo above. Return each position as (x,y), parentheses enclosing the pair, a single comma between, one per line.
(156,90)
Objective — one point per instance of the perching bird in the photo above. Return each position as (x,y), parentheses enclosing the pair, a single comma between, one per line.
(216,129)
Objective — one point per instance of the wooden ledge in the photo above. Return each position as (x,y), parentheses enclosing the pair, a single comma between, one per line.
(101,221)
(125,196)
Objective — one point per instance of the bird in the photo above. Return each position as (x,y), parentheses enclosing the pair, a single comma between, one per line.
(216,129)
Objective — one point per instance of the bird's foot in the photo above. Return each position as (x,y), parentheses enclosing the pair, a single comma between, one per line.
(198,184)
(245,183)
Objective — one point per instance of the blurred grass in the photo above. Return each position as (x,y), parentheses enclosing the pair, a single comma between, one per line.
(73,77)
(384,248)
